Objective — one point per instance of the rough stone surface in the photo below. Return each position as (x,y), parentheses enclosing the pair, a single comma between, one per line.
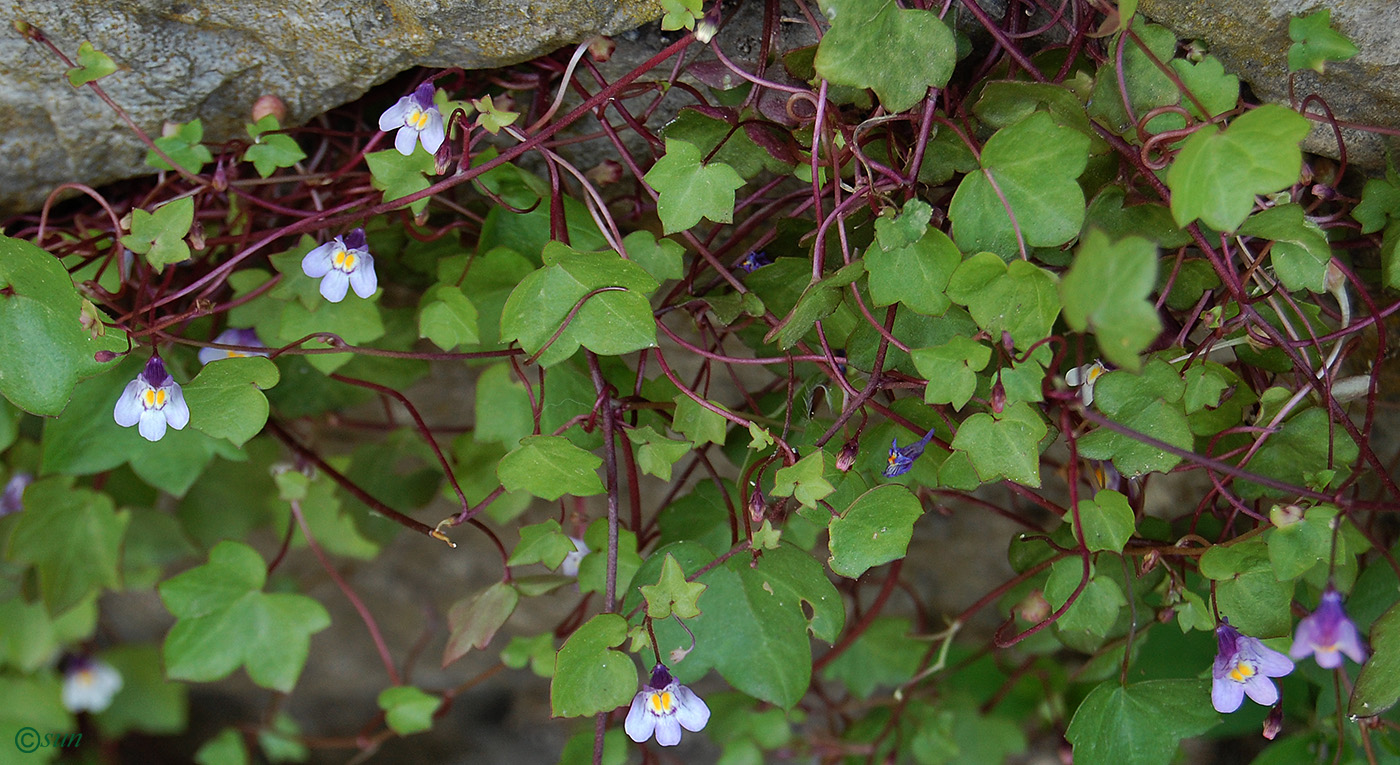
(211,59)
(1251,38)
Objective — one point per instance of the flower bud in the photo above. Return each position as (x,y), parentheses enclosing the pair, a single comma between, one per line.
(1285,515)
(1149,562)
(998,396)
(601,48)
(1273,722)
(102,357)
(606,172)
(269,105)
(758,505)
(847,457)
(1033,608)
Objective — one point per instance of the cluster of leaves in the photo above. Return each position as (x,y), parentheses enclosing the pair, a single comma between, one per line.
(944,237)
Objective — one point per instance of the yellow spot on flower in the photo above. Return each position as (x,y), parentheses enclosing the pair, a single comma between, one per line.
(344,260)
(1242,672)
(662,703)
(417,119)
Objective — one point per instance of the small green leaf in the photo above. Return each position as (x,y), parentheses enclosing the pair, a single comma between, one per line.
(1034,164)
(1315,42)
(689,190)
(398,176)
(1019,298)
(1108,289)
(874,530)
(408,710)
(1217,174)
(660,257)
(537,652)
(550,467)
(1139,723)
(271,151)
(1007,446)
(1108,521)
(1300,252)
(92,65)
(914,273)
(227,748)
(226,399)
(657,453)
(951,370)
(224,620)
(590,677)
(1147,403)
(1307,443)
(1096,609)
(1246,590)
(73,537)
(541,543)
(492,118)
(472,622)
(680,14)
(803,481)
(1378,685)
(1217,91)
(875,44)
(184,146)
(447,317)
(696,423)
(1298,546)
(160,236)
(672,594)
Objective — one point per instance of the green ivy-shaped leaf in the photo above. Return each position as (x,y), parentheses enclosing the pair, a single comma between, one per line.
(672,594)
(408,710)
(72,537)
(698,424)
(472,622)
(1034,164)
(874,530)
(875,44)
(1139,723)
(1108,521)
(1149,403)
(1246,590)
(688,190)
(660,257)
(589,676)
(1315,42)
(92,65)
(1005,446)
(1300,252)
(1217,173)
(185,146)
(951,370)
(914,271)
(1019,298)
(398,176)
(224,620)
(226,399)
(804,480)
(160,236)
(1107,289)
(550,467)
(271,150)
(1307,443)
(657,453)
(680,14)
(447,317)
(1378,686)
(46,348)
(541,543)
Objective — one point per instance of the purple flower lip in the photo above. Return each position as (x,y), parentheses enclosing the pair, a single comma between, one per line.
(660,677)
(355,240)
(423,95)
(154,374)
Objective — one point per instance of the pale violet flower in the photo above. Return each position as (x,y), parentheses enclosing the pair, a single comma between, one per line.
(154,400)
(89,685)
(1244,666)
(570,565)
(231,336)
(1084,378)
(664,707)
(1327,634)
(416,119)
(12,499)
(340,263)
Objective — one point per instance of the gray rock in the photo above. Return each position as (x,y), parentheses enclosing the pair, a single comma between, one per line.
(211,59)
(1251,38)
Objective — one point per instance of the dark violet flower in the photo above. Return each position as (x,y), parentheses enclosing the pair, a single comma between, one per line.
(1327,634)
(344,262)
(417,119)
(1244,666)
(902,458)
(154,400)
(231,336)
(11,500)
(664,707)
(89,685)
(753,261)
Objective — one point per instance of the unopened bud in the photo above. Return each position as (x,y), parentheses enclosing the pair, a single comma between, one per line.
(1033,608)
(998,396)
(1166,615)
(169,129)
(758,505)
(443,158)
(270,105)
(1149,562)
(1273,722)
(847,456)
(102,357)
(196,236)
(220,178)
(1285,515)
(601,48)
(1335,279)
(606,172)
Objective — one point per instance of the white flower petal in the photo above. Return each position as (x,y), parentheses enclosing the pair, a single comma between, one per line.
(91,689)
(334,285)
(177,412)
(393,116)
(318,262)
(152,425)
(433,135)
(691,710)
(207,355)
(363,278)
(406,140)
(129,409)
(640,722)
(668,731)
